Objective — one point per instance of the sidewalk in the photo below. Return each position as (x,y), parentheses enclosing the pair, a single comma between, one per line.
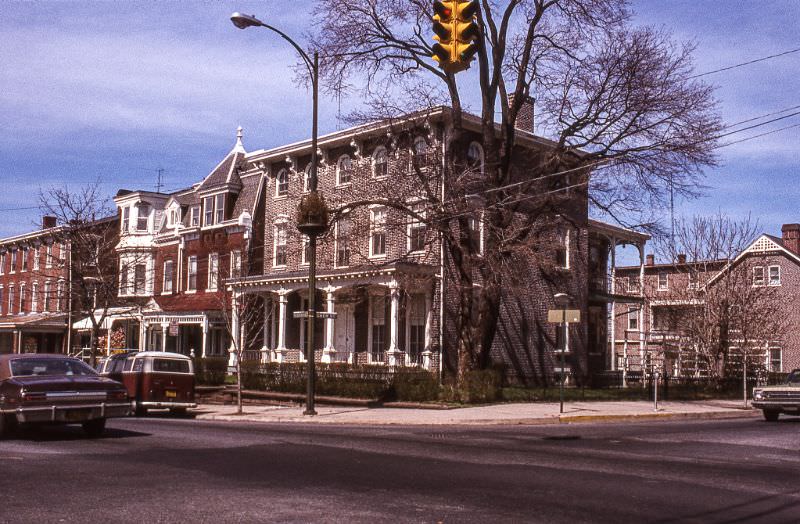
(497,414)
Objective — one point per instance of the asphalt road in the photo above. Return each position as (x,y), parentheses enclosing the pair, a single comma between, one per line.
(181,470)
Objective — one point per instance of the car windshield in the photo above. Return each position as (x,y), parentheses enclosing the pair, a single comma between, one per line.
(25,367)
(794,377)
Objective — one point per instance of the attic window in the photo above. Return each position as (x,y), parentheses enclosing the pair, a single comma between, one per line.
(219,208)
(195,216)
(142,216)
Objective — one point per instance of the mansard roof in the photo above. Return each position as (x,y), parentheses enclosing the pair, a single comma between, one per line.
(226,173)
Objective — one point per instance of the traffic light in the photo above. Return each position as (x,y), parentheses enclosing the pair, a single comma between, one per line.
(456,33)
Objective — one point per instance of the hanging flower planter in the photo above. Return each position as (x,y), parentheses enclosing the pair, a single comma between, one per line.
(312,214)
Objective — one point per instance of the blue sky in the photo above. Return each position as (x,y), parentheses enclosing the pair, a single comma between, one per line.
(114,91)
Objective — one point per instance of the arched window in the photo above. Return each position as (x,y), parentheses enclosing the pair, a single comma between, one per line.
(421,152)
(475,156)
(344,170)
(282,183)
(380,162)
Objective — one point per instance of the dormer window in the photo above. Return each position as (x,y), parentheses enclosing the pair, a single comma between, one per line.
(344,170)
(475,156)
(126,219)
(208,205)
(219,208)
(142,217)
(195,216)
(172,217)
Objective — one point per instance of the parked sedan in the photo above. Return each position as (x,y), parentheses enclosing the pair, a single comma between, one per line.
(56,389)
(783,398)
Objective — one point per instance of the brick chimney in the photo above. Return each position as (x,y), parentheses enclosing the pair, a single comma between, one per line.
(525,116)
(650,260)
(48,222)
(791,237)
(681,258)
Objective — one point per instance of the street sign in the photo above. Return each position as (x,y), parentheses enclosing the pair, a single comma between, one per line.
(559,316)
(173,328)
(320,314)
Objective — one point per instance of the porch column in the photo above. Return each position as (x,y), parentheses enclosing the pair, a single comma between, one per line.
(235,340)
(265,357)
(142,335)
(18,340)
(426,354)
(280,351)
(164,335)
(108,337)
(204,348)
(642,344)
(613,289)
(329,352)
(394,352)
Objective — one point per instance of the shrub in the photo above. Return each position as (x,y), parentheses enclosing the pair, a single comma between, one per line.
(480,386)
(415,386)
(210,371)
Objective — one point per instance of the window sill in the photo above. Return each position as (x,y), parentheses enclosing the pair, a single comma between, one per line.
(343,185)
(190,292)
(280,197)
(372,257)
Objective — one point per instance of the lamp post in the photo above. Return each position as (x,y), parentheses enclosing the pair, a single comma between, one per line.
(310,228)
(562,300)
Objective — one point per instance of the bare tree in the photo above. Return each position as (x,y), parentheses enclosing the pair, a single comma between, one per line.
(88,232)
(614,100)
(725,312)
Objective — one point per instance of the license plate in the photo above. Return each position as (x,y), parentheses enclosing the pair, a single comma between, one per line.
(171,394)
(76,415)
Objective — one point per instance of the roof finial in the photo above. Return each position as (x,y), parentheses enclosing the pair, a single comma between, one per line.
(239,146)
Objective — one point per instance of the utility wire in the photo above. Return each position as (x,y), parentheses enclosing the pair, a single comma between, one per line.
(745,63)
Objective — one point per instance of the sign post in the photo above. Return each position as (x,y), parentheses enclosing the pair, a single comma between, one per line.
(564,317)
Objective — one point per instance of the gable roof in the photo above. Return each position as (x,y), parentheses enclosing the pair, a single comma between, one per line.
(762,245)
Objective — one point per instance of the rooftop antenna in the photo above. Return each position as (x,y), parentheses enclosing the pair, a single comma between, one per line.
(160,181)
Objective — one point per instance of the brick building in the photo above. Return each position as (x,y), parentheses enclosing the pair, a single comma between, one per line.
(652,334)
(389,280)
(33,291)
(175,251)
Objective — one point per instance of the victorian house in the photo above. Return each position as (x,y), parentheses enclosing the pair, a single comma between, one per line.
(389,280)
(177,249)
(764,283)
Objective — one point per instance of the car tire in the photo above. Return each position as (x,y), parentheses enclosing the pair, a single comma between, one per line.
(770,415)
(94,428)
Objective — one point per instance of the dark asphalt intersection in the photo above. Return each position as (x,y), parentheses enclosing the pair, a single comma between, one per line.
(182,470)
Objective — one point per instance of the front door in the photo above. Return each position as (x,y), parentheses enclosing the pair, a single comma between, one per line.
(344,328)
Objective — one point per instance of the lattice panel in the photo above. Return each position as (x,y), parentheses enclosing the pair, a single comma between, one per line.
(764,244)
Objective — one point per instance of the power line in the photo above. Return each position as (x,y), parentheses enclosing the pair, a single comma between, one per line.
(745,63)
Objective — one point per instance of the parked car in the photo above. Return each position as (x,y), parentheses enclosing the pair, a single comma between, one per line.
(154,379)
(784,398)
(57,389)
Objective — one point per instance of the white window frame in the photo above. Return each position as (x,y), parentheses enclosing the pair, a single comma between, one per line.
(339,170)
(2,263)
(208,211)
(168,289)
(338,238)
(48,288)
(219,208)
(633,318)
(34,297)
(143,290)
(282,193)
(23,295)
(770,359)
(1,299)
(37,255)
(24,260)
(145,217)
(191,271)
(307,178)
(11,299)
(14,257)
(277,228)
(478,223)
(304,245)
(375,227)
(213,272)
(194,221)
(380,150)
(414,223)
(60,295)
(125,225)
(758,281)
(421,157)
(662,286)
(480,163)
(769,276)
(236,264)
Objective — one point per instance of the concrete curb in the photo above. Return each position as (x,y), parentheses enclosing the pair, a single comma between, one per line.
(533,421)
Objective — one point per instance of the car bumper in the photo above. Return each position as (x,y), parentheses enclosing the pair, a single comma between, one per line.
(70,414)
(168,405)
(777,405)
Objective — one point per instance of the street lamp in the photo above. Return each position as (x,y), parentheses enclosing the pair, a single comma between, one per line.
(562,300)
(311,228)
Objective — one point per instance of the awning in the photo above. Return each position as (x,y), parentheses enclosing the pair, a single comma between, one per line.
(112,315)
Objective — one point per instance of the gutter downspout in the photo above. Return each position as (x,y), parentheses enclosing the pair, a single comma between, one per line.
(69,301)
(441,266)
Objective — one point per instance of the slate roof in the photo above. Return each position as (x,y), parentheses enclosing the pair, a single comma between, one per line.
(246,200)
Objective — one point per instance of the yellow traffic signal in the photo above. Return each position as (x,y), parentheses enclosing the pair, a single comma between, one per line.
(456,32)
